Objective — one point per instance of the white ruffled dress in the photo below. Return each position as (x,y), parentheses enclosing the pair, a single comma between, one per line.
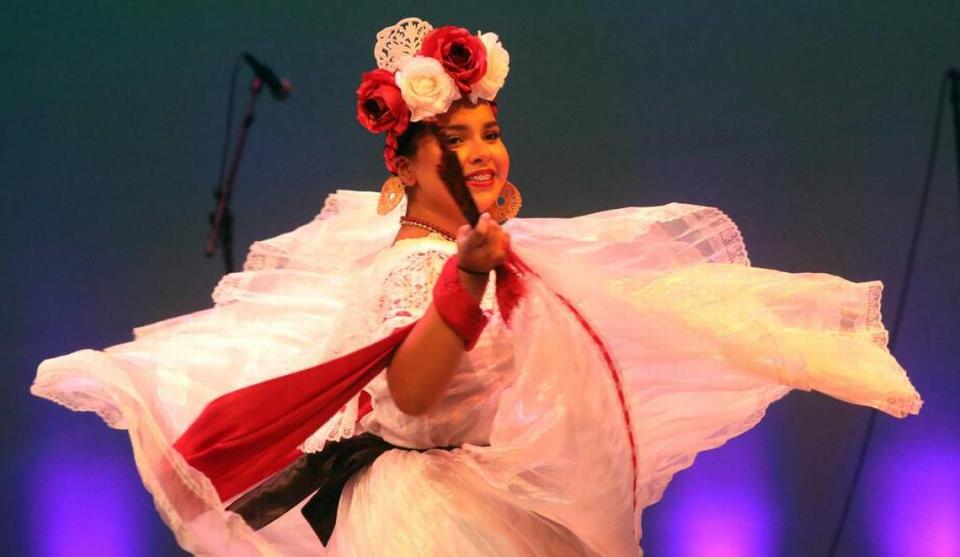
(644,338)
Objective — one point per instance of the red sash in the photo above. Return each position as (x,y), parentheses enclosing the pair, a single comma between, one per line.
(245,436)
(249,434)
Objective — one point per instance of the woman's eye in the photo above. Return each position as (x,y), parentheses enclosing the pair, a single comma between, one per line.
(492,136)
(453,140)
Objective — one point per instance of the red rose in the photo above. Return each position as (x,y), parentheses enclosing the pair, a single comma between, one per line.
(380,106)
(463,55)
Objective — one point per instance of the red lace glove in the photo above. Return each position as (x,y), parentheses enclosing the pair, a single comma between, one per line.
(456,307)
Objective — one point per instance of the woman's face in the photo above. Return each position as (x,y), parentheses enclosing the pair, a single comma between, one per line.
(472,132)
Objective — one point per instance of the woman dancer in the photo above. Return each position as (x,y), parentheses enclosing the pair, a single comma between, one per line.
(537,414)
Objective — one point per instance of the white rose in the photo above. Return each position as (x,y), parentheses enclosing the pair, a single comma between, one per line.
(425,86)
(498,64)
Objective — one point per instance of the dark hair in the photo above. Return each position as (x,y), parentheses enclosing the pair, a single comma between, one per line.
(407,142)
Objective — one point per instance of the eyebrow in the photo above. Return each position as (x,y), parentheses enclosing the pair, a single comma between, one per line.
(458,127)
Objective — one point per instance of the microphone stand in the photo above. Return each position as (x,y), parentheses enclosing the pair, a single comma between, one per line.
(221,220)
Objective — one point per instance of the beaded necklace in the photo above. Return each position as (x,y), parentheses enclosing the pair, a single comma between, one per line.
(412,221)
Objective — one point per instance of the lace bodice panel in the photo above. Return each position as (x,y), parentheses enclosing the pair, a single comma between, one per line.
(466,411)
(395,290)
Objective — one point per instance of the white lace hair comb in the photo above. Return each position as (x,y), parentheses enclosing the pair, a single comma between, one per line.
(399,41)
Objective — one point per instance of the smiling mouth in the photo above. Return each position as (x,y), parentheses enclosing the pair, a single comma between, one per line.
(480,180)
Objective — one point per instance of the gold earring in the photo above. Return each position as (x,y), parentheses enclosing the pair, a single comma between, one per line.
(507,205)
(391,194)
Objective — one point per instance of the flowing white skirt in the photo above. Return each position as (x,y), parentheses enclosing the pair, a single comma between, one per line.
(644,338)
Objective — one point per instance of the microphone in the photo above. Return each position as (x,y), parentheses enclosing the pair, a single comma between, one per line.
(279,88)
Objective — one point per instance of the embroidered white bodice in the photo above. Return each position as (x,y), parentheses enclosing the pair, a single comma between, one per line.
(395,291)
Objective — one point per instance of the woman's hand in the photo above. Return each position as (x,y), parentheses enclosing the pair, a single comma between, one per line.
(483,247)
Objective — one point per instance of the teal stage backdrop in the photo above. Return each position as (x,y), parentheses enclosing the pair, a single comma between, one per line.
(808,122)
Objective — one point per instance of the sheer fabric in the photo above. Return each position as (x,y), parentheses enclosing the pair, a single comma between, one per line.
(644,338)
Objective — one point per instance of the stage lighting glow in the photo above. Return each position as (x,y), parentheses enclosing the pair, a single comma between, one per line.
(710,515)
(728,522)
(913,500)
(82,502)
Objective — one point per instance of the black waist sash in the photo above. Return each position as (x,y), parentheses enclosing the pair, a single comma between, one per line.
(325,473)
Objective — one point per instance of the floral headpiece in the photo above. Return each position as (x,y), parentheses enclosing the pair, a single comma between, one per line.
(421,71)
